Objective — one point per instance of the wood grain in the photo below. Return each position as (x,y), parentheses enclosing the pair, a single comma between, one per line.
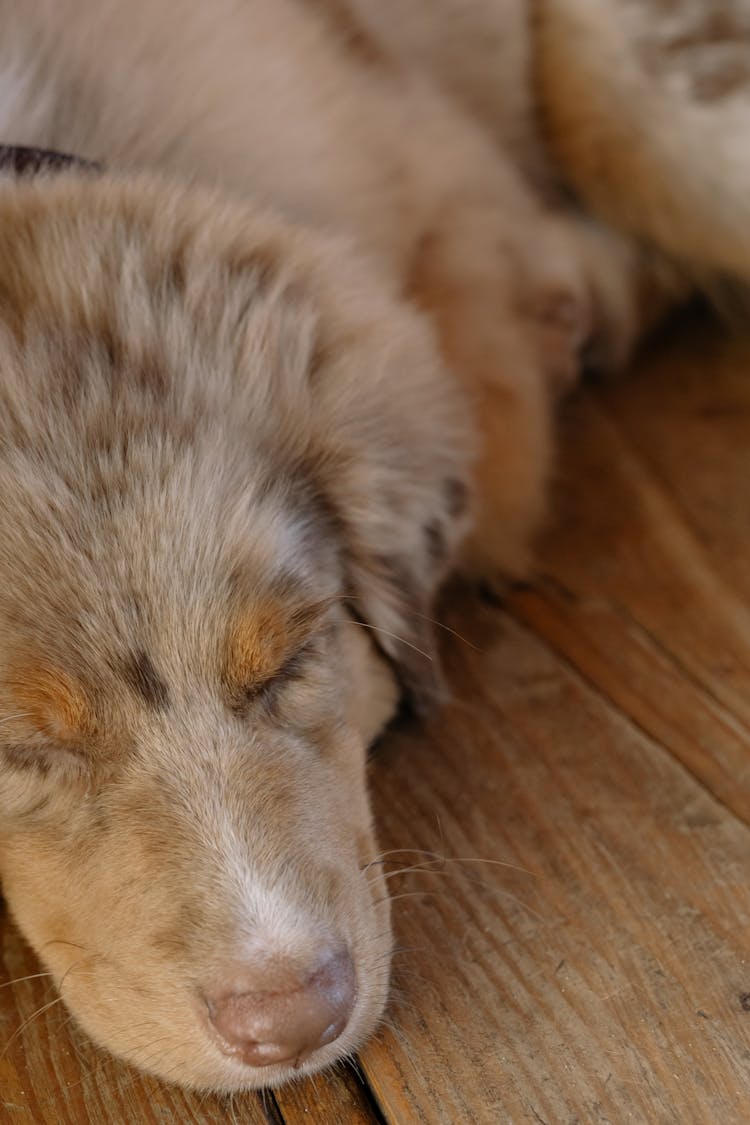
(645,585)
(604,980)
(323,1100)
(572,885)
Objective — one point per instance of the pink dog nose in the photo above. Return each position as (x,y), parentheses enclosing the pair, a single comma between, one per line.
(281,1016)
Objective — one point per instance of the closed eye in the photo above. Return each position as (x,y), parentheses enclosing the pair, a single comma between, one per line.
(42,756)
(265,691)
(268,645)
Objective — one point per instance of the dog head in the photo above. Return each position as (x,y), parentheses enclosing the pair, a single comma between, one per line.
(230,461)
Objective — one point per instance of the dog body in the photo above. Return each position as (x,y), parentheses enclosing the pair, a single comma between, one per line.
(235,446)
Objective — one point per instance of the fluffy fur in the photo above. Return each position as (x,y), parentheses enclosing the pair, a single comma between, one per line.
(240,432)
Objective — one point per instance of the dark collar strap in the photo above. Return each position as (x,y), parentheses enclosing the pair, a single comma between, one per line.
(18,160)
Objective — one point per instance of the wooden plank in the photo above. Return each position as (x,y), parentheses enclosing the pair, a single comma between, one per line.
(601,980)
(645,586)
(325,1100)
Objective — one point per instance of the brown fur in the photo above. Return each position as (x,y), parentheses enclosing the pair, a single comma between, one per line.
(49,702)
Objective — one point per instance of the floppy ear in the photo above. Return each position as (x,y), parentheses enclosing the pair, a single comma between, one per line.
(394,456)
(392,595)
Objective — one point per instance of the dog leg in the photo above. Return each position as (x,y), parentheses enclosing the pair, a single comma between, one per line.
(522,299)
(512,312)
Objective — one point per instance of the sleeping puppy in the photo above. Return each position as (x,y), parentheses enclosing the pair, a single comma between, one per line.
(222,447)
(243,435)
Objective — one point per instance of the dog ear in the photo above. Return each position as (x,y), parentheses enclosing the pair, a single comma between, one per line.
(394,436)
(392,595)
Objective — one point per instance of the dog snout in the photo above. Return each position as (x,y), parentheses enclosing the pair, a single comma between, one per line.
(281,1015)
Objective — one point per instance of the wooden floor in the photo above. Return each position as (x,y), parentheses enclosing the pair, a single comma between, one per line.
(583,952)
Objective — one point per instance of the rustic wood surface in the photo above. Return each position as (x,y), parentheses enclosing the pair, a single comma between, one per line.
(572,893)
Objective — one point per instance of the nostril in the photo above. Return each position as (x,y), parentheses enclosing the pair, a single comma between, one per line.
(280,1015)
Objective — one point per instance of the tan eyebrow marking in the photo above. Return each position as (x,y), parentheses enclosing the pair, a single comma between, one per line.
(51,701)
(262,638)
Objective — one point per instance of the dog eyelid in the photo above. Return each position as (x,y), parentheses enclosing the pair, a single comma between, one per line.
(282,675)
(253,674)
(43,756)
